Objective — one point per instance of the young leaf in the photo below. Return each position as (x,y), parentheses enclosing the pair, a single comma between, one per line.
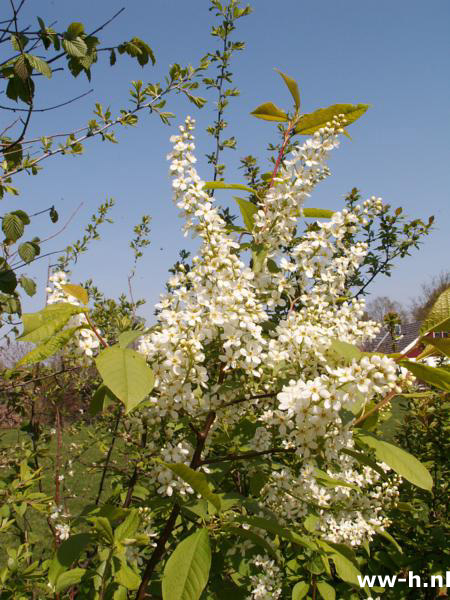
(259,255)
(197,480)
(221,185)
(68,552)
(76,47)
(126,373)
(68,579)
(270,112)
(40,65)
(326,591)
(76,291)
(48,348)
(28,285)
(442,344)
(39,326)
(12,226)
(438,318)
(293,87)
(400,461)
(128,527)
(319,118)
(187,571)
(317,213)
(436,376)
(28,251)
(127,577)
(248,210)
(300,590)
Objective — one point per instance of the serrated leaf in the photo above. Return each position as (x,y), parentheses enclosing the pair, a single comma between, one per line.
(28,285)
(22,68)
(12,226)
(311,122)
(400,461)
(76,291)
(39,326)
(300,590)
(435,376)
(197,480)
(68,579)
(127,337)
(28,252)
(326,591)
(438,318)
(39,65)
(76,47)
(221,185)
(318,213)
(270,112)
(292,86)
(187,571)
(75,29)
(54,215)
(248,210)
(126,373)
(48,348)
(68,552)
(23,216)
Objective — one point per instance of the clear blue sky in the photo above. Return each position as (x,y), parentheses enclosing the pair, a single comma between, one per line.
(393,55)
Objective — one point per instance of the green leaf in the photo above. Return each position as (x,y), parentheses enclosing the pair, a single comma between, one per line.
(300,590)
(345,569)
(389,538)
(221,185)
(22,215)
(48,348)
(99,399)
(293,87)
(319,118)
(54,215)
(400,461)
(187,571)
(68,579)
(22,68)
(74,30)
(28,251)
(326,591)
(68,552)
(259,255)
(318,213)
(197,480)
(76,47)
(12,226)
(127,374)
(128,527)
(39,326)
(39,65)
(436,376)
(248,210)
(442,344)
(344,350)
(328,481)
(103,527)
(76,291)
(438,318)
(8,281)
(28,285)
(127,337)
(269,112)
(127,577)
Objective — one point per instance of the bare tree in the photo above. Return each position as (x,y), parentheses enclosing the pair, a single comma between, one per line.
(379,307)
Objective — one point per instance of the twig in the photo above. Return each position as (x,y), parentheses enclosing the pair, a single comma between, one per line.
(375,409)
(108,456)
(41,110)
(246,455)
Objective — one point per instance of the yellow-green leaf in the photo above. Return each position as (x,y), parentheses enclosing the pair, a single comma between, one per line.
(442,344)
(438,318)
(292,86)
(248,210)
(436,376)
(221,185)
(197,480)
(39,326)
(318,213)
(311,122)
(300,590)
(76,291)
(48,348)
(187,571)
(270,112)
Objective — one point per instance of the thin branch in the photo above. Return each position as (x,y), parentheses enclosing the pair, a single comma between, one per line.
(15,385)
(375,409)
(246,455)
(108,456)
(65,225)
(41,110)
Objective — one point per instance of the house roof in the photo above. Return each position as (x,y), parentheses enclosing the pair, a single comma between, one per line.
(409,333)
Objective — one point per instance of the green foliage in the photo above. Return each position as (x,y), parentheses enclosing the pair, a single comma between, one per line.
(270,112)
(126,374)
(197,481)
(187,570)
(38,327)
(312,122)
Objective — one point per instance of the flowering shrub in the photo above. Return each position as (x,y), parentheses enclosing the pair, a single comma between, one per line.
(258,471)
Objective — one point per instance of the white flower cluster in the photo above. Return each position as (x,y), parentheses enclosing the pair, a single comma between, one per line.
(59,516)
(86,342)
(268,581)
(221,308)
